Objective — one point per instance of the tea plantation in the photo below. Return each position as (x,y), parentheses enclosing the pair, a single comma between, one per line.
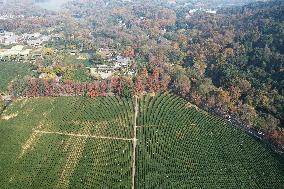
(77,142)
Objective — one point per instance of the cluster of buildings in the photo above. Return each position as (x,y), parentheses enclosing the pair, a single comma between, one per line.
(116,65)
(24,47)
(35,40)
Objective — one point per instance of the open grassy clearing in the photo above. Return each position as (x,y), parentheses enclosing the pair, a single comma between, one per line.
(75,142)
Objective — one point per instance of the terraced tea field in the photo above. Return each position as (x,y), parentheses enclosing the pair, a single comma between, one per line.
(76,142)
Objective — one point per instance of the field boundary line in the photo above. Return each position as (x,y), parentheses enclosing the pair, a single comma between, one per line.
(81,135)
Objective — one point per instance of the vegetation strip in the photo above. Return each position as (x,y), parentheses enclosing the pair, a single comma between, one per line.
(87,136)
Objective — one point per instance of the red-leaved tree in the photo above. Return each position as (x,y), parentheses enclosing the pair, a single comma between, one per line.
(103,88)
(138,86)
(33,90)
(116,85)
(93,89)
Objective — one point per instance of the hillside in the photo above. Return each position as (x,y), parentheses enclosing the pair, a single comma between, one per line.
(76,142)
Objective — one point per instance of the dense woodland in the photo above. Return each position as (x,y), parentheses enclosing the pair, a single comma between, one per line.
(230,62)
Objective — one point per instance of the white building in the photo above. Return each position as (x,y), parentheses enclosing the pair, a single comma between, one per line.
(16,53)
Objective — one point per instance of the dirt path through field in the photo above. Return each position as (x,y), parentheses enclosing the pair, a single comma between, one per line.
(34,137)
(86,136)
(134,142)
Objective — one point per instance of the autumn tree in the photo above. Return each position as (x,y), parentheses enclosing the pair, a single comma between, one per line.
(116,85)
(68,87)
(47,88)
(153,83)
(165,81)
(128,52)
(103,88)
(33,88)
(235,94)
(223,100)
(138,86)
(183,85)
(144,74)
(93,89)
(155,79)
(195,98)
